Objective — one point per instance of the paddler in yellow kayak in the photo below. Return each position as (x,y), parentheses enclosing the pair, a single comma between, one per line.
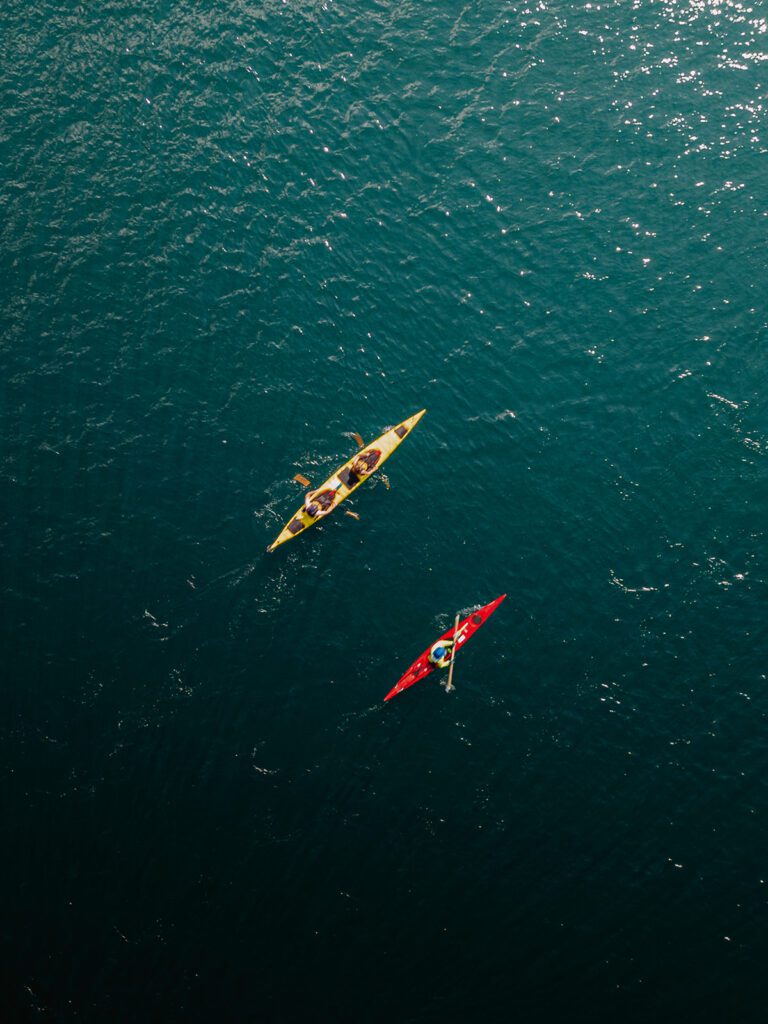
(320,503)
(365,463)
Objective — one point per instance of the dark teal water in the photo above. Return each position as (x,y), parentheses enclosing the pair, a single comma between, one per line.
(232,234)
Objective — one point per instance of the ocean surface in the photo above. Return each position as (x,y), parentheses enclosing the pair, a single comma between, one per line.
(232,234)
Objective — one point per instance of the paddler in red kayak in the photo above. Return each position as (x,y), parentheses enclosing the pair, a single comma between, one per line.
(440,654)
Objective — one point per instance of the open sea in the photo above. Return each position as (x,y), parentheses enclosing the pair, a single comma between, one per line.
(231,235)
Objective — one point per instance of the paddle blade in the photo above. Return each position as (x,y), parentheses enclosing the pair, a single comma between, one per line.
(302,480)
(360,441)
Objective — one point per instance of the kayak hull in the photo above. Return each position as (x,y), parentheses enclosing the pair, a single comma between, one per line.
(423,667)
(343,482)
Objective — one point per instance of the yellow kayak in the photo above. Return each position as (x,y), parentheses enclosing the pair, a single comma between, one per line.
(345,480)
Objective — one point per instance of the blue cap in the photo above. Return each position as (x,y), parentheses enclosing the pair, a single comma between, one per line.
(439,652)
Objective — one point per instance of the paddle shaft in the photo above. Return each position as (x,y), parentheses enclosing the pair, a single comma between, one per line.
(449,685)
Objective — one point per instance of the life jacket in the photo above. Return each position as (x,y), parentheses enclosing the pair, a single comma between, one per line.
(323,499)
(369,458)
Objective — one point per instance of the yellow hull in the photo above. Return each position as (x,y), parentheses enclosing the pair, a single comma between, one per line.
(385,444)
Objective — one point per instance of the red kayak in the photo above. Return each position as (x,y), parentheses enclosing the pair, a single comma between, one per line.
(423,666)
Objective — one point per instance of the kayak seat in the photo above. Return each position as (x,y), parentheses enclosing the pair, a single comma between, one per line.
(295,526)
(347,477)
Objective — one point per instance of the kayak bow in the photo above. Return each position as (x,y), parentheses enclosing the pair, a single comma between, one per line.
(344,482)
(423,666)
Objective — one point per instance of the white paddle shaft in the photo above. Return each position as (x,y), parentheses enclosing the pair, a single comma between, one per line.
(449,684)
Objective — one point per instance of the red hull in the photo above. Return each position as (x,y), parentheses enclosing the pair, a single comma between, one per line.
(423,666)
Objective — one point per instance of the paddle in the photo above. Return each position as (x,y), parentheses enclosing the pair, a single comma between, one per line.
(302,480)
(449,685)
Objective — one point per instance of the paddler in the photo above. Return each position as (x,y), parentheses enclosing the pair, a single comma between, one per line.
(440,654)
(364,464)
(319,503)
